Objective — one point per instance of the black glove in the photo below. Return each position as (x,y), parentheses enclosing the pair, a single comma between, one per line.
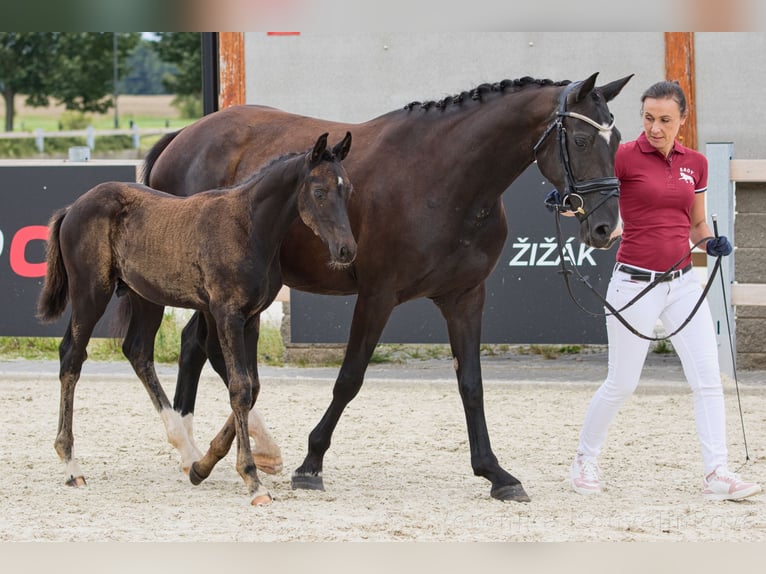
(552,200)
(718,246)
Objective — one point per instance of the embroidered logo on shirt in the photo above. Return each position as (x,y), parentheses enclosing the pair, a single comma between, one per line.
(686,174)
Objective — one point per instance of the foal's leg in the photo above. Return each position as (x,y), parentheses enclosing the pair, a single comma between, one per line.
(370,317)
(234,338)
(72,354)
(266,452)
(138,347)
(463,312)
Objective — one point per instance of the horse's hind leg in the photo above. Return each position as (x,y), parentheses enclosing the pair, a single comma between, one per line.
(72,354)
(463,312)
(138,347)
(191,360)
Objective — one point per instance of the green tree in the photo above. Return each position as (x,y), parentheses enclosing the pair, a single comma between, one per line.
(146,71)
(75,68)
(184,51)
(26,58)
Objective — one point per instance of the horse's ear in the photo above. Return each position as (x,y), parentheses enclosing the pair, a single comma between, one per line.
(319,148)
(340,151)
(611,89)
(585,87)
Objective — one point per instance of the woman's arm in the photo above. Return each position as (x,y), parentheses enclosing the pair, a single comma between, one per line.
(699,228)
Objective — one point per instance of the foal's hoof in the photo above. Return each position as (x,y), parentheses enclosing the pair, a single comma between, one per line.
(268,464)
(512,492)
(307,482)
(194,476)
(75,481)
(261,500)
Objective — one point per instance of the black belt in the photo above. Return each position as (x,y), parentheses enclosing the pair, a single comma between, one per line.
(647,276)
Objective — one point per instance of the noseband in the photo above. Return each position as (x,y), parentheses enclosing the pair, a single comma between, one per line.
(571,199)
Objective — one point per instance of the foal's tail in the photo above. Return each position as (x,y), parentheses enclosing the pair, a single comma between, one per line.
(55,294)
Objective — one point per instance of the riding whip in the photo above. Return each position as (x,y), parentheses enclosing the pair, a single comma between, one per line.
(731,344)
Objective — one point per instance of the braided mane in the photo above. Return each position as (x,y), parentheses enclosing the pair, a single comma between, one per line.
(478,93)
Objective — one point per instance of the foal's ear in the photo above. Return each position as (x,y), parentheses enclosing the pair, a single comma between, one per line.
(611,89)
(319,148)
(341,149)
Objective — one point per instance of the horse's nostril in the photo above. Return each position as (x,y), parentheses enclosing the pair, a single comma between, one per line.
(346,254)
(602,231)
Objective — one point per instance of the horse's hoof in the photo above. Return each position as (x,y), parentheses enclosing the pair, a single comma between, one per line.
(76,481)
(261,500)
(268,464)
(512,492)
(194,476)
(307,482)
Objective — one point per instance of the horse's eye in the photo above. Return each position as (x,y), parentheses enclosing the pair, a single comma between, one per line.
(319,193)
(581,141)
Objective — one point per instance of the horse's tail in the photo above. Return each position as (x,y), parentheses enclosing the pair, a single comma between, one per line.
(55,294)
(154,153)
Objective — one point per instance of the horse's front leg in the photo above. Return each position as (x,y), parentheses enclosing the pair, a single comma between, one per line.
(370,316)
(266,452)
(243,390)
(463,312)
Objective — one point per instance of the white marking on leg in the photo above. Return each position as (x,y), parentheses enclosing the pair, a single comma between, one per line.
(73,469)
(176,429)
(265,447)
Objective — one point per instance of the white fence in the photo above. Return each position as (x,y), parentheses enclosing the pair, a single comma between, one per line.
(90,134)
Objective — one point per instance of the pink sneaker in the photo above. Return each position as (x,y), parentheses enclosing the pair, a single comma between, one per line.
(583,476)
(722,484)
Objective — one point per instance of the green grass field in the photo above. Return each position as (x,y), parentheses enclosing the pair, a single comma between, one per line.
(144,111)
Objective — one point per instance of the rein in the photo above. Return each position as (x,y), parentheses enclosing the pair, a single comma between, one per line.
(658,279)
(573,189)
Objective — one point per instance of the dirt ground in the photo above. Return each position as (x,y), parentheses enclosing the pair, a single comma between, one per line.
(398,469)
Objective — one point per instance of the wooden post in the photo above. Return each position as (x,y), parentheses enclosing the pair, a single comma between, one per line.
(679,65)
(231,49)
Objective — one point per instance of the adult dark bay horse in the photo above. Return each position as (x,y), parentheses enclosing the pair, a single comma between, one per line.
(216,252)
(427,214)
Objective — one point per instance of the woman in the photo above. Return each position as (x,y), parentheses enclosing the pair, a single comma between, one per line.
(662,204)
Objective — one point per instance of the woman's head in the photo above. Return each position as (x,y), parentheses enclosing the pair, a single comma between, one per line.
(663,110)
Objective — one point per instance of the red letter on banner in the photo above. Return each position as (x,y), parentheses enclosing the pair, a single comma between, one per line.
(19,263)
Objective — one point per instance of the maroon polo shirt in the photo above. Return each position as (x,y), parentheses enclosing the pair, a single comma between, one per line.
(656,197)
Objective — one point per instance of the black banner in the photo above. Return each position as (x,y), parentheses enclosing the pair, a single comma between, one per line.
(28,197)
(527,301)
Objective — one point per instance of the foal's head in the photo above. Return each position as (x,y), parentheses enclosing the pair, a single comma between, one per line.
(323,199)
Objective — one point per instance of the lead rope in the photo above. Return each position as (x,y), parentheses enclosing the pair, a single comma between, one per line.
(716,268)
(617,313)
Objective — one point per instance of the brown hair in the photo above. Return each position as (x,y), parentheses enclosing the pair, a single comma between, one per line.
(667,89)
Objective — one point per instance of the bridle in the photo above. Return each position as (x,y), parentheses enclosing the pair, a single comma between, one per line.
(609,187)
(571,199)
(617,313)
